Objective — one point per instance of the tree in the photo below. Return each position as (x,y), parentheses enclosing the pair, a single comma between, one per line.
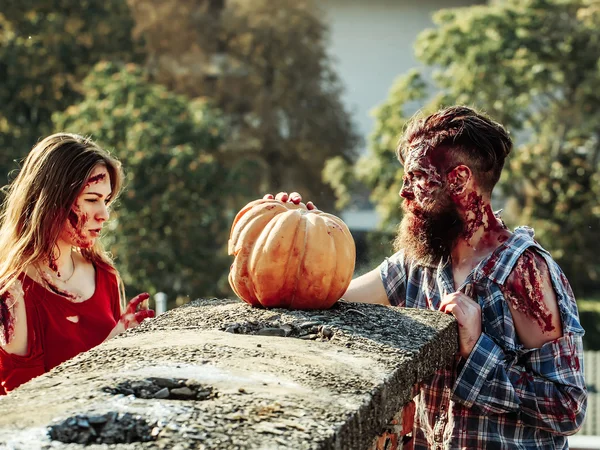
(533,65)
(46,49)
(172,221)
(265,65)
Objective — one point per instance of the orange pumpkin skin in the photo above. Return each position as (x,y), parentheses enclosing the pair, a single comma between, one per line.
(289,257)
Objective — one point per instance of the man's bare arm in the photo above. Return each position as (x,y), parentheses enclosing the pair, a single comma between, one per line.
(367,288)
(532,301)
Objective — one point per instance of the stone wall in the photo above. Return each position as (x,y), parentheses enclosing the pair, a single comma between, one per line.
(218,374)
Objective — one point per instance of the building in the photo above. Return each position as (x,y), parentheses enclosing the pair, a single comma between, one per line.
(372,43)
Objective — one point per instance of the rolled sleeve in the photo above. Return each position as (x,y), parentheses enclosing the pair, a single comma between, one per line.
(480,364)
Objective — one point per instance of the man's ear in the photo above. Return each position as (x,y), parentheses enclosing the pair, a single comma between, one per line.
(459,179)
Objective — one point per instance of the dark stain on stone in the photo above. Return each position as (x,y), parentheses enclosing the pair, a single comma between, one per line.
(164,388)
(109,428)
(308,330)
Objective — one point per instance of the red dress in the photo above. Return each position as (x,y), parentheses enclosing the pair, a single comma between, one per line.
(58,329)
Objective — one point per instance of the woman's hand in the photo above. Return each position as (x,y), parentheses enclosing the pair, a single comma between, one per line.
(294,198)
(137,310)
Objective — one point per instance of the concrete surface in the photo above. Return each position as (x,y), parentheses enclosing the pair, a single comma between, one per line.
(270,379)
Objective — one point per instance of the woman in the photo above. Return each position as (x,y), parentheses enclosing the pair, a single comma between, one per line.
(60,294)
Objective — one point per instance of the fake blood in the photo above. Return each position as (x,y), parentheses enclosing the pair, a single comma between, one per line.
(53,266)
(572,357)
(48,280)
(96,179)
(73,219)
(78,222)
(423,186)
(7,320)
(524,290)
(474,208)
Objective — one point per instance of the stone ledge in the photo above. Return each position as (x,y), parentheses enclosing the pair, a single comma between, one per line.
(334,383)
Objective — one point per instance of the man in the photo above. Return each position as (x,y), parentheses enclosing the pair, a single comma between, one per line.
(517,381)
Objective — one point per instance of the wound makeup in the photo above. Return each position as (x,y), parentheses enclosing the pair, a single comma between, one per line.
(422,177)
(474,208)
(78,222)
(95,179)
(7,317)
(7,320)
(50,283)
(524,290)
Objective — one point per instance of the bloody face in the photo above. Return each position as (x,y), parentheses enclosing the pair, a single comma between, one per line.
(422,177)
(89,212)
(432,223)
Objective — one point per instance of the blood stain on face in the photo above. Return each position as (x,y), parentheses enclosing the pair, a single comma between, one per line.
(73,217)
(524,291)
(422,177)
(76,232)
(95,179)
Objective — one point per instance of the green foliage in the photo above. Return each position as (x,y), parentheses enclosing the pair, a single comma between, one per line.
(172,223)
(46,48)
(589,315)
(533,65)
(266,66)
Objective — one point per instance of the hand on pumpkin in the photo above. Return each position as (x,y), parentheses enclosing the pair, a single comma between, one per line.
(294,198)
(137,310)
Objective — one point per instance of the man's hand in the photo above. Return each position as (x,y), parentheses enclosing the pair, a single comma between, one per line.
(294,198)
(137,310)
(468,315)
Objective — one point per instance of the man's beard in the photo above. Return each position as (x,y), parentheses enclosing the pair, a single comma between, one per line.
(427,236)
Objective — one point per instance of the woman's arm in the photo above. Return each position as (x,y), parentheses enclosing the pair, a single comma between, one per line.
(14,321)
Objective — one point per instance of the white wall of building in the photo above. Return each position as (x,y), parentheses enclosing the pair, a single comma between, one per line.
(372,43)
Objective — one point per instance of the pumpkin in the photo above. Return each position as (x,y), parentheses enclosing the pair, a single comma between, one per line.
(287,256)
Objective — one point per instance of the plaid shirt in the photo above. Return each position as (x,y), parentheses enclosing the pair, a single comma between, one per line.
(503,395)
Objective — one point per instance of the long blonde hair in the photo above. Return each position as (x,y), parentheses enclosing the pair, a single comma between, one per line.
(40,198)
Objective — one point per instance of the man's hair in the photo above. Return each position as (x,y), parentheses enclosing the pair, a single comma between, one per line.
(466,137)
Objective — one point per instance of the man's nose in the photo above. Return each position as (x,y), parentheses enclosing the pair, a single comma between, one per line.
(406,191)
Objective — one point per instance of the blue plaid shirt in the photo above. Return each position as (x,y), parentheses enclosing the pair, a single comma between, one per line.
(503,396)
